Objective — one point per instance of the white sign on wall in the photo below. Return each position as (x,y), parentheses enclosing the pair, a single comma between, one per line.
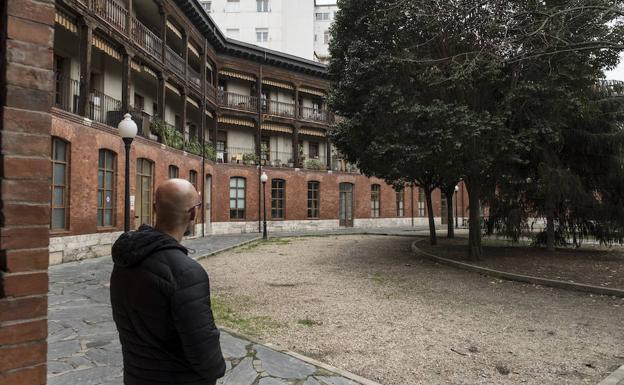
(131,202)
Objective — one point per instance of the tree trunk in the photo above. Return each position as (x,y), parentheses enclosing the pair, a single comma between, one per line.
(433,239)
(474,223)
(450,233)
(550,232)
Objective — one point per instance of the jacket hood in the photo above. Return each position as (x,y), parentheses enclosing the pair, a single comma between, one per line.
(134,246)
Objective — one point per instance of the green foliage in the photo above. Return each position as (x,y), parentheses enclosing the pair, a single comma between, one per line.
(314,164)
(167,134)
(250,158)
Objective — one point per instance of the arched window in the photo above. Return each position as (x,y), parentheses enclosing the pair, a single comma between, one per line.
(144,188)
(59,208)
(107,181)
(174,172)
(193,178)
(237,198)
(278,198)
(400,202)
(375,198)
(314,189)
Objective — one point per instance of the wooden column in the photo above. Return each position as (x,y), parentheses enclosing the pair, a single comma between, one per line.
(215,128)
(85,47)
(297,102)
(259,120)
(163,18)
(185,130)
(125,80)
(328,149)
(129,18)
(160,95)
(186,44)
(295,144)
(203,91)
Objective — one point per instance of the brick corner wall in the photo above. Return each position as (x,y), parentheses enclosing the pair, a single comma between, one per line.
(26,95)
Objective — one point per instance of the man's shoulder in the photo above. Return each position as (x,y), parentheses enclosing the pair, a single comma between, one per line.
(181,266)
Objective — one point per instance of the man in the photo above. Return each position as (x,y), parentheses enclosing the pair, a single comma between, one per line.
(161,298)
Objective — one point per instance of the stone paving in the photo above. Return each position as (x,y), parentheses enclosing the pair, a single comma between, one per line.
(84,349)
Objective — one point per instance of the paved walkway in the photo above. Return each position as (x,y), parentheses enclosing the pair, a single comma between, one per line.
(84,349)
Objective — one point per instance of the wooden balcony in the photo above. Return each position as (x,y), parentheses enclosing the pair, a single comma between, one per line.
(175,62)
(112,12)
(146,39)
(276,108)
(238,101)
(194,77)
(316,115)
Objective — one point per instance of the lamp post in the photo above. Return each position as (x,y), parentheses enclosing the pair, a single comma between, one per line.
(264,179)
(127,130)
(456,220)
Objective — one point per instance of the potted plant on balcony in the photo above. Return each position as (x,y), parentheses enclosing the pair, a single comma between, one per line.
(314,164)
(249,158)
(264,151)
(210,152)
(291,163)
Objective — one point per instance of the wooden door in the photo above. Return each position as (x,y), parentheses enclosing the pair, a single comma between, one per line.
(346,204)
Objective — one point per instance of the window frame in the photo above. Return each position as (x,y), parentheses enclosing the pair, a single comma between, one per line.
(375,200)
(400,203)
(262,6)
(175,169)
(152,176)
(193,178)
(103,189)
(311,209)
(65,187)
(278,196)
(241,213)
(262,35)
(231,8)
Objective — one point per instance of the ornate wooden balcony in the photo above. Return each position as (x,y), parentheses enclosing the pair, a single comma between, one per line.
(316,115)
(175,62)
(238,101)
(146,39)
(194,77)
(273,107)
(112,12)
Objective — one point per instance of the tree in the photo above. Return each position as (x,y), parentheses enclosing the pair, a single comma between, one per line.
(436,77)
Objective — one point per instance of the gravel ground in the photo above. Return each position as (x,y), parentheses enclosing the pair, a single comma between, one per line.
(367,305)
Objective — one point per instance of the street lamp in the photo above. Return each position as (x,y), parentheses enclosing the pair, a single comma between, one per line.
(127,130)
(456,220)
(264,179)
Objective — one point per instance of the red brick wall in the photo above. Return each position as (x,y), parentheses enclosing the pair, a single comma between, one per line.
(26,95)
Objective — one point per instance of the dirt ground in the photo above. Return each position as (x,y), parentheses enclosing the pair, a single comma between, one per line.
(593,265)
(367,305)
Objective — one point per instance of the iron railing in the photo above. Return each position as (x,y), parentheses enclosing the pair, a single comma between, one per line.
(240,155)
(238,101)
(104,109)
(273,107)
(67,93)
(175,61)
(112,12)
(278,159)
(315,114)
(194,77)
(146,39)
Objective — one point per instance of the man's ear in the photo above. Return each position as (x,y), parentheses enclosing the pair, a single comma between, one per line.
(193,214)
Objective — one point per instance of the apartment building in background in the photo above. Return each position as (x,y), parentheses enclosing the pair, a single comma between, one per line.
(324,15)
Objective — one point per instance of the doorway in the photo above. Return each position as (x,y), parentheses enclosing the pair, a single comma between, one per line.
(144,187)
(208,203)
(444,209)
(346,204)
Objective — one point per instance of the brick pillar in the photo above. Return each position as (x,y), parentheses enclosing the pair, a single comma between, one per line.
(26,94)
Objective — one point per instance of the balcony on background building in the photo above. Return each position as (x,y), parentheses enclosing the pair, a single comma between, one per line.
(67,93)
(194,77)
(175,62)
(112,12)
(146,39)
(276,108)
(238,101)
(237,155)
(316,115)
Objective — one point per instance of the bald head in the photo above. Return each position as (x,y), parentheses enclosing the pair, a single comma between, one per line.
(173,203)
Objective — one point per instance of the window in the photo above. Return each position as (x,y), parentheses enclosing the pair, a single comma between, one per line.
(60,181)
(237,198)
(313,150)
(232,6)
(400,202)
(277,198)
(233,33)
(107,170)
(174,172)
(144,188)
(206,5)
(326,37)
(263,5)
(313,199)
(262,35)
(139,102)
(193,178)
(375,193)
(322,16)
(421,202)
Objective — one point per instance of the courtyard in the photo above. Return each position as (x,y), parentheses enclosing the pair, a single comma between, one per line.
(367,304)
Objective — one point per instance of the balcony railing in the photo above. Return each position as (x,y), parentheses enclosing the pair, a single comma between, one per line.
(274,158)
(67,93)
(210,90)
(238,101)
(315,115)
(194,77)
(273,107)
(239,155)
(104,109)
(146,39)
(111,11)
(175,61)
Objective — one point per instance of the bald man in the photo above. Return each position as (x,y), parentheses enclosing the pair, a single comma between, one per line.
(161,298)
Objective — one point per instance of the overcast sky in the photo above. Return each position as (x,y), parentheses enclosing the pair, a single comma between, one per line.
(618,73)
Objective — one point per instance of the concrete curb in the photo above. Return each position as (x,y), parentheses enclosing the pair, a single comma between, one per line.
(521,278)
(311,361)
(616,378)
(202,256)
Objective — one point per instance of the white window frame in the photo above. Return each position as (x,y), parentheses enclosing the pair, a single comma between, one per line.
(262,35)
(263,6)
(233,33)
(232,6)
(206,2)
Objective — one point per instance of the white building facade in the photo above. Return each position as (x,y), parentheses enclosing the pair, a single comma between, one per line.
(324,15)
(281,25)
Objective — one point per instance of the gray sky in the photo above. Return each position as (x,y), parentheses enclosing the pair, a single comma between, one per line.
(618,73)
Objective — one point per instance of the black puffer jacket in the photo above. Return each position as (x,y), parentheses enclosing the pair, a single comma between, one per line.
(161,305)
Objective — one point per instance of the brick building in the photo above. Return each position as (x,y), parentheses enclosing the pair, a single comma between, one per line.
(189,88)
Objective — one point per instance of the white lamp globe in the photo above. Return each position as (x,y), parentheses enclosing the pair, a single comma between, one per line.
(456,188)
(127,127)
(264,177)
